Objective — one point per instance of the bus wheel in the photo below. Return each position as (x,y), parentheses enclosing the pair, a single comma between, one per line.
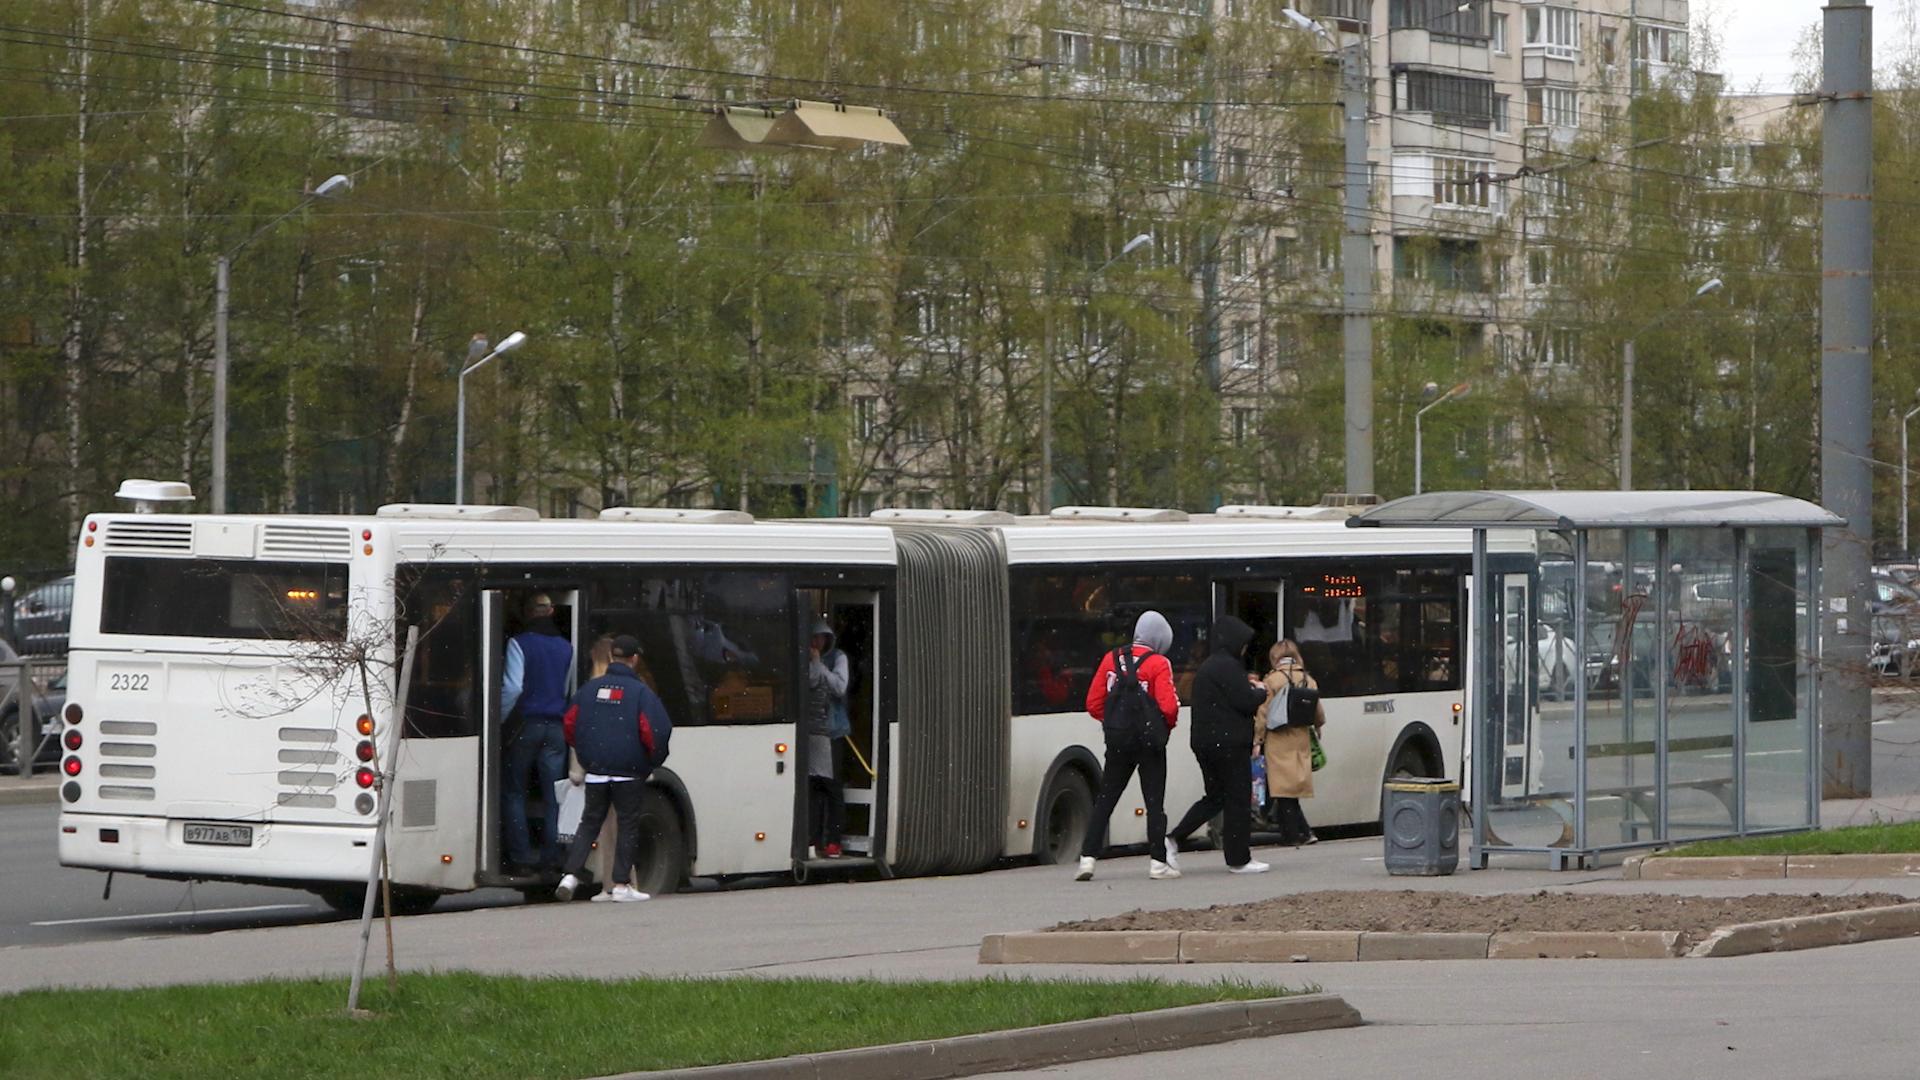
(351,899)
(660,854)
(1065,813)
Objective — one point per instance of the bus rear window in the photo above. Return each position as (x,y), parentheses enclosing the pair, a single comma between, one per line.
(225,598)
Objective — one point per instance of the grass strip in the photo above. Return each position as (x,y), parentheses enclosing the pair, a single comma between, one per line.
(1879,839)
(474,1027)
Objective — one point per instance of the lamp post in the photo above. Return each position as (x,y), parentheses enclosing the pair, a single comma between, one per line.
(222,272)
(1419,459)
(1905,551)
(513,341)
(1626,383)
(1046,371)
(1356,242)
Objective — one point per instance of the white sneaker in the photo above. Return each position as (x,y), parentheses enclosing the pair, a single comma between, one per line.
(1173,854)
(564,890)
(1251,866)
(623,894)
(1160,871)
(1085,873)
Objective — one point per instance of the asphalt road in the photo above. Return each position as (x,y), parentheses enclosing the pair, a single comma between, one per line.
(42,903)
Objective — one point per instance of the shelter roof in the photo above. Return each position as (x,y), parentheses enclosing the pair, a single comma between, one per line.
(1597,510)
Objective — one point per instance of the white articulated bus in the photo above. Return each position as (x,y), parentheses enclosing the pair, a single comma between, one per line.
(218,728)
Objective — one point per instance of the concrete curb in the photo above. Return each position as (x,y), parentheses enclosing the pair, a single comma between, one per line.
(1052,1044)
(1812,931)
(33,792)
(1317,946)
(1730,867)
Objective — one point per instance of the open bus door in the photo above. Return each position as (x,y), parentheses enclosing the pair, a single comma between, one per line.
(501,617)
(857,763)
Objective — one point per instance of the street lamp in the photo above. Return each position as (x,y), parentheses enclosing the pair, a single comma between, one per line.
(1626,383)
(1456,393)
(221,273)
(1905,551)
(1046,371)
(1356,243)
(513,341)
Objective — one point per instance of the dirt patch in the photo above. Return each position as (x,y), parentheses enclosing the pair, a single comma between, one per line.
(1407,911)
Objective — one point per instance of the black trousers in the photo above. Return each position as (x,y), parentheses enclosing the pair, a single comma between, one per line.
(1228,777)
(625,796)
(827,801)
(1290,819)
(1122,762)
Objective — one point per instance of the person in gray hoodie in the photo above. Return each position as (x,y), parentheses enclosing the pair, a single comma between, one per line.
(1145,753)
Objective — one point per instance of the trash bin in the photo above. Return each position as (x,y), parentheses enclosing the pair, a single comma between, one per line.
(1422,827)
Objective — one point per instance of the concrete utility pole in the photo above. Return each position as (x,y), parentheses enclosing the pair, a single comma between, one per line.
(1846,388)
(1356,271)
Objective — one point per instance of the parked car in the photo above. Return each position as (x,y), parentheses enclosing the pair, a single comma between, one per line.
(46,709)
(40,618)
(1891,597)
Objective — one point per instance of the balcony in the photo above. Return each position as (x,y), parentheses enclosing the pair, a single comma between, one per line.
(1548,63)
(1426,48)
(1419,130)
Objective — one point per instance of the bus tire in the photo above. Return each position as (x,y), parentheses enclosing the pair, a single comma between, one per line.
(352,899)
(660,849)
(1066,812)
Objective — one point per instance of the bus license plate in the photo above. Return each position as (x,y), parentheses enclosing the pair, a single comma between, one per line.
(217,835)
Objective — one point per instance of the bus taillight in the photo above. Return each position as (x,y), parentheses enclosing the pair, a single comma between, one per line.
(72,739)
(363,777)
(71,766)
(364,725)
(73,712)
(364,751)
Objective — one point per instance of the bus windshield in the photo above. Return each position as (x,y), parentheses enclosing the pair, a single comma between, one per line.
(225,598)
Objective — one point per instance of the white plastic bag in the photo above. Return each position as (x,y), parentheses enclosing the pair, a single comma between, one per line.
(571,799)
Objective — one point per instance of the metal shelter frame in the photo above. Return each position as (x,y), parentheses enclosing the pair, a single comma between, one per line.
(1576,515)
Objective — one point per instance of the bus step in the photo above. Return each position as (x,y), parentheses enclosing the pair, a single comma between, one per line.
(805,870)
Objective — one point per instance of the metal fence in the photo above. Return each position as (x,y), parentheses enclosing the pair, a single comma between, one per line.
(32,694)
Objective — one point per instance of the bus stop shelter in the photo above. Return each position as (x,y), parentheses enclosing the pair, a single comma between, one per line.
(1649,680)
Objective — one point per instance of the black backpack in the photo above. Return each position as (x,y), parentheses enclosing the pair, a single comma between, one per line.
(1132,717)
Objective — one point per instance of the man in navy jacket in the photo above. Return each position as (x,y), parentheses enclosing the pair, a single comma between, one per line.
(619,729)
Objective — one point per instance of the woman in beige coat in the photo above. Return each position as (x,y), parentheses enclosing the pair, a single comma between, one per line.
(1289,749)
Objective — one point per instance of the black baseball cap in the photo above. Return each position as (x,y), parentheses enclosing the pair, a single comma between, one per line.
(626,645)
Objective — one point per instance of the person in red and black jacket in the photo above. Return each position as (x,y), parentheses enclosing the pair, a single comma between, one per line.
(1152,637)
(619,729)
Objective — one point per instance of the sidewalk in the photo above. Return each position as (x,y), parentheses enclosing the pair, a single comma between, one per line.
(43,787)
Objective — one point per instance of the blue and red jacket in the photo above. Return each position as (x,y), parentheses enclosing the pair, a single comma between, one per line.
(617,725)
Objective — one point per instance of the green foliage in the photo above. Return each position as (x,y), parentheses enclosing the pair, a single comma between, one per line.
(1877,839)
(471,1027)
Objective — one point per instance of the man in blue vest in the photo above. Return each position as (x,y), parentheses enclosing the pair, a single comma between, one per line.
(620,729)
(534,681)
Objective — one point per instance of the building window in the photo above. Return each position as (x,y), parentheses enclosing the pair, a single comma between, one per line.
(1555,106)
(1661,45)
(1246,425)
(1552,347)
(1244,354)
(1462,182)
(1072,50)
(1452,99)
(1554,30)
(562,503)
(866,417)
(1539,267)
(1237,166)
(1500,111)
(1498,27)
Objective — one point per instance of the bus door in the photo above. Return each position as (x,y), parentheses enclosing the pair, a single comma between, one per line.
(1259,604)
(844,777)
(503,613)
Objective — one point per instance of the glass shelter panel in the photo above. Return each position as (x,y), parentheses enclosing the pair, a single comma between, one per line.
(1779,691)
(1529,805)
(1697,611)
(1622,708)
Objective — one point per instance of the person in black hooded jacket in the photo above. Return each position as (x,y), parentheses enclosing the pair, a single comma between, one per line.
(1225,697)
